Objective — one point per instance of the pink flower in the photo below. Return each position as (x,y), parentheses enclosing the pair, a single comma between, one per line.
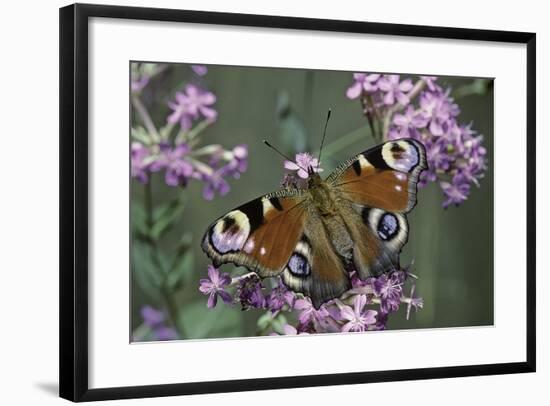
(200,70)
(357,320)
(214,286)
(362,82)
(304,162)
(190,105)
(394,89)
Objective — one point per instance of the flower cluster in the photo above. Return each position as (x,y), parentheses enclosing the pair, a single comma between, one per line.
(155,320)
(365,307)
(190,105)
(426,112)
(180,157)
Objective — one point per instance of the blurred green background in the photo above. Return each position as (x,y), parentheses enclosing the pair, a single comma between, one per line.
(452,249)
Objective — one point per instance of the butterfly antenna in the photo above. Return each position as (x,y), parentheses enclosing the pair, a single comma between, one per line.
(283,155)
(323,140)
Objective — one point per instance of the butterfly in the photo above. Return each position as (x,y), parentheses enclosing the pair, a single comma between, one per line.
(312,237)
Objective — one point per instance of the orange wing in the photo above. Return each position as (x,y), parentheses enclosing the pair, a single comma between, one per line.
(384,177)
(259,235)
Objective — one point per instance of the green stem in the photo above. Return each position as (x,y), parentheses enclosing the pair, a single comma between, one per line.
(347,140)
(145,118)
(171,304)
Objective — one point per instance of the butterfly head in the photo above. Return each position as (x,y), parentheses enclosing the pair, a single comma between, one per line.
(313,179)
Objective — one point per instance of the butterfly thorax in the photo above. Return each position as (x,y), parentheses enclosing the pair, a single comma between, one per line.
(330,215)
(321,196)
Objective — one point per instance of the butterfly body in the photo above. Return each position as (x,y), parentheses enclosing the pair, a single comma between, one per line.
(312,237)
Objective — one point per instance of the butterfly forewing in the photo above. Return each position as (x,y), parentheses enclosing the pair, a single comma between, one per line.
(259,235)
(384,177)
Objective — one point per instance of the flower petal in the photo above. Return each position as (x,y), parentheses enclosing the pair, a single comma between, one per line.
(212,300)
(354,91)
(291,165)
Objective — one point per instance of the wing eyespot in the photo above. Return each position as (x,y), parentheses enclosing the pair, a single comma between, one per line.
(388,226)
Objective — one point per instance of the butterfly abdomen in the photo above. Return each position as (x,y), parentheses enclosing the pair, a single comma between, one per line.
(339,236)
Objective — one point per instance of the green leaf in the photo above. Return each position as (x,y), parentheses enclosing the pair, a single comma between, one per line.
(139,220)
(264,321)
(166,130)
(201,322)
(182,270)
(146,273)
(478,87)
(165,216)
(140,134)
(278,323)
(267,322)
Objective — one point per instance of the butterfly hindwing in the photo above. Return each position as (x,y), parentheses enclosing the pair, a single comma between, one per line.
(314,268)
(259,235)
(383,177)
(383,234)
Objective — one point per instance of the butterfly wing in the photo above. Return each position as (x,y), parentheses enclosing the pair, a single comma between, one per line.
(276,234)
(314,268)
(380,187)
(259,235)
(385,176)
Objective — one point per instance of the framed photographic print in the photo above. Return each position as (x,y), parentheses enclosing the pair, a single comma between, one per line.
(255,202)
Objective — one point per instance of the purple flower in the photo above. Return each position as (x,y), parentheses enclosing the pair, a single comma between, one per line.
(357,319)
(190,105)
(416,302)
(408,123)
(440,110)
(214,182)
(214,286)
(164,333)
(362,82)
(455,192)
(438,156)
(280,296)
(315,319)
(439,159)
(172,159)
(240,155)
(151,316)
(238,162)
(137,84)
(139,168)
(200,70)
(389,289)
(154,319)
(289,330)
(430,82)
(250,293)
(395,90)
(474,163)
(381,321)
(304,161)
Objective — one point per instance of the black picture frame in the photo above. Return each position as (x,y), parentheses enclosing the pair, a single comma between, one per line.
(73,280)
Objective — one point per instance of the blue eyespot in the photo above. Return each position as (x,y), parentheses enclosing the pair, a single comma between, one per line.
(388,226)
(299,265)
